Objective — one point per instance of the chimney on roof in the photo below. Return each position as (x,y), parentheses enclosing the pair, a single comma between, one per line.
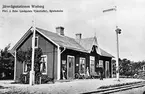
(60,30)
(78,37)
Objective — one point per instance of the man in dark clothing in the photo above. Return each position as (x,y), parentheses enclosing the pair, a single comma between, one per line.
(101,73)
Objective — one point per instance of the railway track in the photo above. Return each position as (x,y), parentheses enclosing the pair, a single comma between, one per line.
(116,89)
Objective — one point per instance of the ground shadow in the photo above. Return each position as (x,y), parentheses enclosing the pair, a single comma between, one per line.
(1,87)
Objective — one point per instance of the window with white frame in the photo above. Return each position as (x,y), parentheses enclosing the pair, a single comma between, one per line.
(92,64)
(36,42)
(107,65)
(25,67)
(43,66)
(143,68)
(101,63)
(107,68)
(82,66)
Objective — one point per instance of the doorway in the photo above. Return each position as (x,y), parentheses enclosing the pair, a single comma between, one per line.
(107,69)
(70,67)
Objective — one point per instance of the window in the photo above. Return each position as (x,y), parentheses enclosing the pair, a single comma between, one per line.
(92,64)
(101,63)
(36,42)
(143,68)
(43,66)
(107,65)
(82,66)
(25,67)
(107,69)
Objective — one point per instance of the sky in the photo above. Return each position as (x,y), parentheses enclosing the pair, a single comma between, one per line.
(82,16)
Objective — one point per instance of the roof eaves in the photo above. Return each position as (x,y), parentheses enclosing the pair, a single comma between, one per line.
(82,47)
(108,54)
(47,38)
(85,51)
(56,42)
(92,45)
(92,40)
(21,40)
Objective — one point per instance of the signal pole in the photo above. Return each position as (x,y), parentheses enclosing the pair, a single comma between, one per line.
(118,31)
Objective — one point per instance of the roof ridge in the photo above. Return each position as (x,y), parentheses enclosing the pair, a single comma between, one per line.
(79,44)
(45,30)
(64,41)
(106,51)
(54,33)
(59,35)
(64,38)
(87,38)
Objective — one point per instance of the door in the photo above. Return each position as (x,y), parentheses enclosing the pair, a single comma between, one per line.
(107,69)
(82,66)
(70,67)
(92,65)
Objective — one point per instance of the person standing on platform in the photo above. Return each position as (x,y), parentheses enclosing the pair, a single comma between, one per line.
(101,73)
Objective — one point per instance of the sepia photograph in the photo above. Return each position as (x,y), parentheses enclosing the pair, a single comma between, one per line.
(72,47)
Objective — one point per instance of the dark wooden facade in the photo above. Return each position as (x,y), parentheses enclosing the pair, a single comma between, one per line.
(48,49)
(104,59)
(51,50)
(77,55)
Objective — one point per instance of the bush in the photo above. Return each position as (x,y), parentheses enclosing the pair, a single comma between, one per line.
(46,79)
(24,78)
(26,56)
(39,78)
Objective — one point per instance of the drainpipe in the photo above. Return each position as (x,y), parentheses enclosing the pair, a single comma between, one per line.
(59,52)
(64,48)
(53,63)
(58,63)
(15,66)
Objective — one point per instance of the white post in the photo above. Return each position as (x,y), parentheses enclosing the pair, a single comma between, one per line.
(117,57)
(15,66)
(118,31)
(58,62)
(32,72)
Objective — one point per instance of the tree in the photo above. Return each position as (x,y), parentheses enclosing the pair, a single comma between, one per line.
(26,56)
(6,63)
(125,67)
(128,67)
(114,67)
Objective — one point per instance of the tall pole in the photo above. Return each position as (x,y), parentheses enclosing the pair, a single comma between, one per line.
(118,31)
(32,72)
(117,57)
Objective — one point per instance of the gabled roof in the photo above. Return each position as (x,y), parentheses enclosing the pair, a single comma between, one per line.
(21,40)
(85,44)
(104,53)
(63,41)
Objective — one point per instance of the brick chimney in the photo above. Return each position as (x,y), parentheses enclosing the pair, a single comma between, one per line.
(78,37)
(60,30)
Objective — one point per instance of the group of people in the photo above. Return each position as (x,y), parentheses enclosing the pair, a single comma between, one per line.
(100,70)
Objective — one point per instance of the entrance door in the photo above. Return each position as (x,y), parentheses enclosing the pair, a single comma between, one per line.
(70,67)
(92,65)
(107,69)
